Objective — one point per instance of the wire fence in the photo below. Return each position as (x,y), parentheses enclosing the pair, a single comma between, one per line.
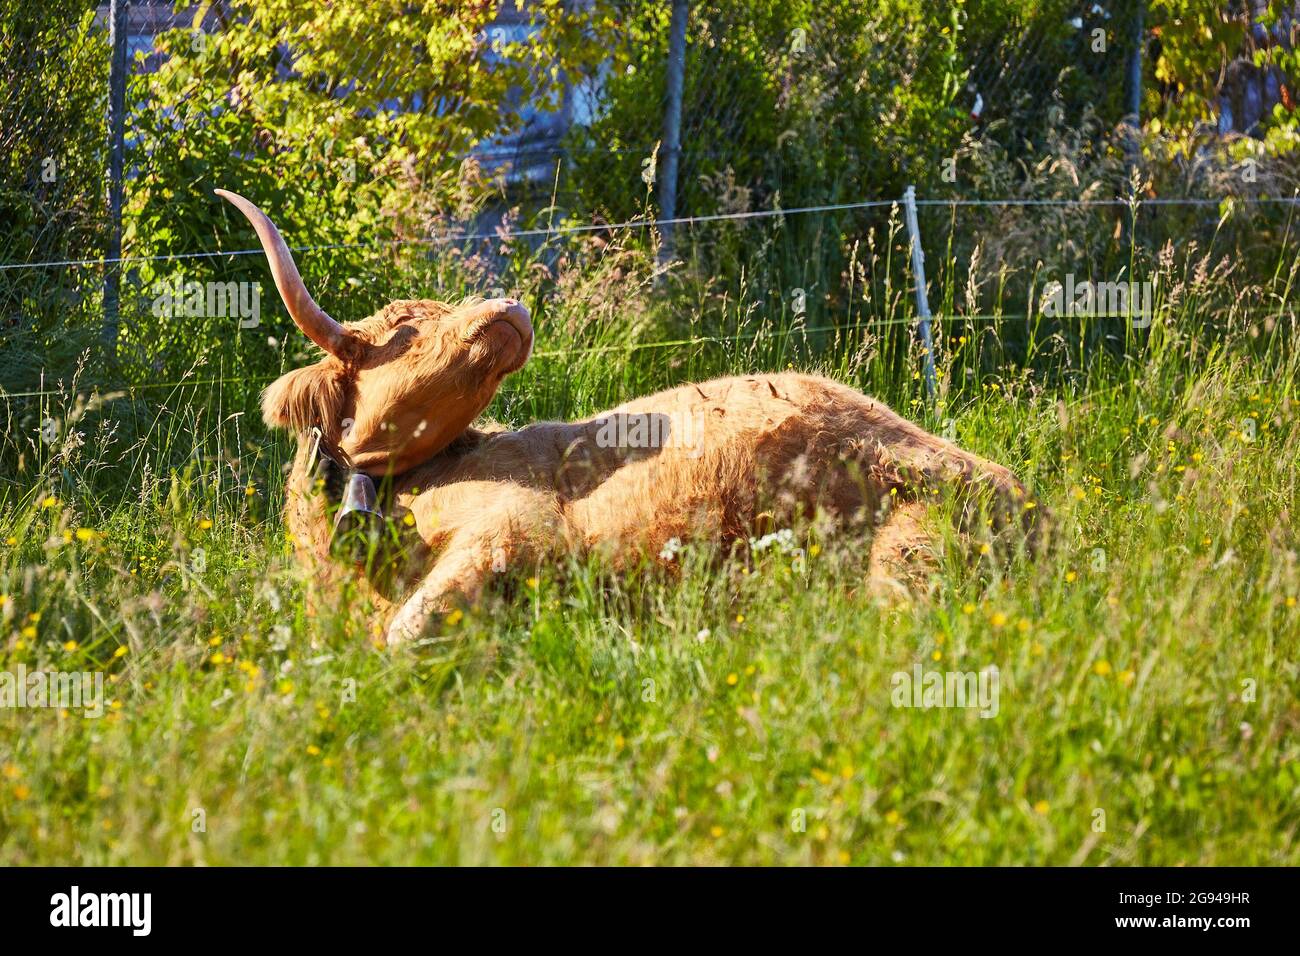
(780,127)
(508,235)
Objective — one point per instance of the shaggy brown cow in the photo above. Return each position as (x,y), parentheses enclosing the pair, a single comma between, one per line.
(397,392)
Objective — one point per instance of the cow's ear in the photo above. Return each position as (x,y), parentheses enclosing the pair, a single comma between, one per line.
(303,398)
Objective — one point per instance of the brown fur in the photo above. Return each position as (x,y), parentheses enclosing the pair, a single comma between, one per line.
(771,447)
(735,456)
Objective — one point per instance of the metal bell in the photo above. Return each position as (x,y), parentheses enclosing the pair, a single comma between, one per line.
(359,522)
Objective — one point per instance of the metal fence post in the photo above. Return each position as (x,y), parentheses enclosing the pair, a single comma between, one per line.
(671,148)
(1134,98)
(1133,117)
(918,275)
(117,31)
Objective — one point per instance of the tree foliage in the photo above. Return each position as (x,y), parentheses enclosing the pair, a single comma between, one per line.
(53,81)
(347,120)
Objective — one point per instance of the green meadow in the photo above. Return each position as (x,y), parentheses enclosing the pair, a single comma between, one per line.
(739,711)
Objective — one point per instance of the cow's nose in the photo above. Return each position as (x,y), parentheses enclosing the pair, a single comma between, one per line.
(513,309)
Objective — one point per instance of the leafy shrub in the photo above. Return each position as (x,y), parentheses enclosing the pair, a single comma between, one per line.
(53,70)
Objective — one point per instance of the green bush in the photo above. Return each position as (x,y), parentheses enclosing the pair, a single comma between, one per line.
(343,122)
(53,81)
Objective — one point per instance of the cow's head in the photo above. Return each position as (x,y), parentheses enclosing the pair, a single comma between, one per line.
(397,387)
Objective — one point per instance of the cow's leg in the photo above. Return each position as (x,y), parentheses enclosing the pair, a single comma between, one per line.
(457,577)
(988,496)
(481,546)
(904,553)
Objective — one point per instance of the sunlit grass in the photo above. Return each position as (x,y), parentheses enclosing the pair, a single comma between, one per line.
(737,712)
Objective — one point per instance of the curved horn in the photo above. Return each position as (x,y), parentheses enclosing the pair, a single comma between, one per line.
(309,316)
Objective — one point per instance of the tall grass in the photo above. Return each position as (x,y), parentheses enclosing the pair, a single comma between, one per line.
(741,710)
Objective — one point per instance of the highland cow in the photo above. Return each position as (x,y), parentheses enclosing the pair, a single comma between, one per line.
(396,395)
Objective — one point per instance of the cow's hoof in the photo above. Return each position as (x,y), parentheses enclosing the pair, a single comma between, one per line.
(405,629)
